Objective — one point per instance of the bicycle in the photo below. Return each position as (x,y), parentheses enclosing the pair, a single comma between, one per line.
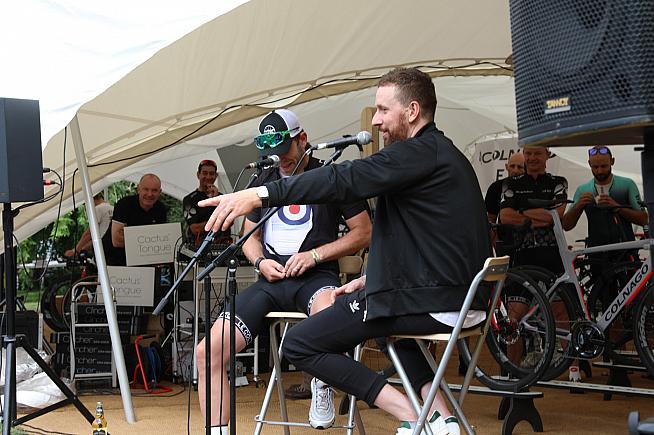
(57,315)
(504,364)
(588,328)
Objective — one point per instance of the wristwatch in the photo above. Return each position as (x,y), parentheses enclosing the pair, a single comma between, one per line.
(257,262)
(262,193)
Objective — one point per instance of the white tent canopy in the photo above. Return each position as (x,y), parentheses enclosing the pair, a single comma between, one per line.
(206,90)
(262,54)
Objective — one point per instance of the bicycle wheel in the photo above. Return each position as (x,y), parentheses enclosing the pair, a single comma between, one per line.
(52,316)
(644,328)
(520,340)
(566,312)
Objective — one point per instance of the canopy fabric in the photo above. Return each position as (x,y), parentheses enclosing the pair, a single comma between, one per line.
(207,90)
(264,54)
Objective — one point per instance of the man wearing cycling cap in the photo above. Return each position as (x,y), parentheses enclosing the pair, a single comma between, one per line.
(295,254)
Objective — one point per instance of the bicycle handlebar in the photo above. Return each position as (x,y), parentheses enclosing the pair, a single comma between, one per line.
(546,203)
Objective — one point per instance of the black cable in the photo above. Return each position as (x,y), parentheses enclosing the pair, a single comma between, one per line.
(62,185)
(47,198)
(296,94)
(240,174)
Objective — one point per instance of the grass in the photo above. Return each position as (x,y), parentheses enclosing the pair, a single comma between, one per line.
(14,431)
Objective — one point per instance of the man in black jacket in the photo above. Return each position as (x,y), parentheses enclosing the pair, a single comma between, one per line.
(430,237)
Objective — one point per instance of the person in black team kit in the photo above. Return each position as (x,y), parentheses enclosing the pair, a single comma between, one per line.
(430,238)
(503,236)
(295,254)
(537,246)
(144,208)
(197,217)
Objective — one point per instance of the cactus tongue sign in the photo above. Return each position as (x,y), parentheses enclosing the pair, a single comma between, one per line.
(132,286)
(151,244)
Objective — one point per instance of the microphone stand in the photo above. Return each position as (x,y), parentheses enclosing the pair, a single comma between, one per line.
(228,257)
(207,308)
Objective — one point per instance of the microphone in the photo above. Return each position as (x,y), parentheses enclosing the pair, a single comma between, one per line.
(270,162)
(362,138)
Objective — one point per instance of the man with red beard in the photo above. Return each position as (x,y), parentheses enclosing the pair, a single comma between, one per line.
(430,238)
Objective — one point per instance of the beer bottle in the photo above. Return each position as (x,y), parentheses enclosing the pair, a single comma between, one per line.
(99,425)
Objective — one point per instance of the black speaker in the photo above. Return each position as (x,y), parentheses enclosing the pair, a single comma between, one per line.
(584,70)
(21,166)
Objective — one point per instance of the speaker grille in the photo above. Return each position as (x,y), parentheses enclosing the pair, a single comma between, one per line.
(582,65)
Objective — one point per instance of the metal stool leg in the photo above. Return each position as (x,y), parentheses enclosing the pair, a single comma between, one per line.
(405,381)
(275,380)
(353,413)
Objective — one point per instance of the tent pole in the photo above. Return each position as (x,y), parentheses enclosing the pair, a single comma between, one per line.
(103,276)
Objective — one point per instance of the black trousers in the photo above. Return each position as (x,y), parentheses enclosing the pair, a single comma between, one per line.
(317,346)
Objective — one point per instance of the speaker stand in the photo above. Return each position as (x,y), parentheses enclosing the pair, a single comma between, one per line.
(11,341)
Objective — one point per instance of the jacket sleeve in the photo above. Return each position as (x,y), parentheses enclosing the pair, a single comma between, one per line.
(387,171)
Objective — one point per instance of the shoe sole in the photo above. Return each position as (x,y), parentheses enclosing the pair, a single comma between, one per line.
(321,425)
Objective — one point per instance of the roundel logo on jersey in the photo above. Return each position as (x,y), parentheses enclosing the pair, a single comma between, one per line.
(295,214)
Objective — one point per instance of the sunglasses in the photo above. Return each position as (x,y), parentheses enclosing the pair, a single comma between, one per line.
(599,150)
(272,140)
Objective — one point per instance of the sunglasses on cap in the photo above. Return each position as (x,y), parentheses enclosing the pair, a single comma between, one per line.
(272,140)
(599,150)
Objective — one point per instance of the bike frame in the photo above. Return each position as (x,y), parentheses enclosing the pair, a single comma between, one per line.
(625,296)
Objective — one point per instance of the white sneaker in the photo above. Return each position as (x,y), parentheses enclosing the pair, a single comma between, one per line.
(437,424)
(452,424)
(573,374)
(322,413)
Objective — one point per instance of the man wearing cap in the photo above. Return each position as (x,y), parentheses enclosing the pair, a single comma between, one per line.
(196,217)
(295,254)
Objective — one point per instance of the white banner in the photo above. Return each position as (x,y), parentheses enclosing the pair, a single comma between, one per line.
(132,286)
(151,244)
(491,156)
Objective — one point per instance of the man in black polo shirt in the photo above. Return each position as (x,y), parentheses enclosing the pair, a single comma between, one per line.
(295,254)
(144,208)
(196,217)
(538,245)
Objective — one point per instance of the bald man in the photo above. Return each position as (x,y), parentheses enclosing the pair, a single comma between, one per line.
(502,239)
(144,208)
(514,166)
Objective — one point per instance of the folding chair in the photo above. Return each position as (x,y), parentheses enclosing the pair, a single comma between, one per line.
(349,265)
(494,270)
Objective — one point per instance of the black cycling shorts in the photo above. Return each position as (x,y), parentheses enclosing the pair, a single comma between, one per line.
(290,294)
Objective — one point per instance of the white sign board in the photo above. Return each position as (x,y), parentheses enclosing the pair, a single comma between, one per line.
(492,154)
(132,286)
(151,244)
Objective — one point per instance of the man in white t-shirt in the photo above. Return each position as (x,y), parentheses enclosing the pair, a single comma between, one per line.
(103,213)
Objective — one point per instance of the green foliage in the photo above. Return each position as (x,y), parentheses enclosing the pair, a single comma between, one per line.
(14,431)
